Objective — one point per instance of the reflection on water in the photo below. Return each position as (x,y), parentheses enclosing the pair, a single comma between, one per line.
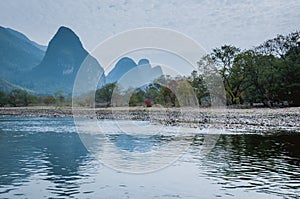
(138,144)
(265,163)
(44,157)
(53,155)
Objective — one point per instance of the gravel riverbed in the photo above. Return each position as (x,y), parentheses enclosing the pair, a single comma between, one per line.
(256,119)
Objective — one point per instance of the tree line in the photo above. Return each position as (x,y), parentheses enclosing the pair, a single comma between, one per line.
(268,74)
(20,97)
(164,91)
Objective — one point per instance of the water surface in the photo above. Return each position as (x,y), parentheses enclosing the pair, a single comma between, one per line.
(45,158)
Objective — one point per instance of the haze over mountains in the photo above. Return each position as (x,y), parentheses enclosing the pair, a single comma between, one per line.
(46,70)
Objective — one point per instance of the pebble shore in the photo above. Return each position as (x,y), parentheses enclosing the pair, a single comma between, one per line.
(256,119)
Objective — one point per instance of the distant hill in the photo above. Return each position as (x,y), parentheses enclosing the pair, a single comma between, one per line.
(124,65)
(17,54)
(58,69)
(26,39)
(25,64)
(130,74)
(6,86)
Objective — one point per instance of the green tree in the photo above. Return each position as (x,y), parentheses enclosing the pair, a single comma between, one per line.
(59,96)
(199,86)
(18,97)
(223,59)
(280,45)
(289,71)
(137,98)
(166,97)
(49,100)
(3,99)
(104,94)
(152,92)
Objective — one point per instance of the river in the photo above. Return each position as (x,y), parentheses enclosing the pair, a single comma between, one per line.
(46,158)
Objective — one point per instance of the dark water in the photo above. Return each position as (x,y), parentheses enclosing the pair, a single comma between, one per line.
(45,158)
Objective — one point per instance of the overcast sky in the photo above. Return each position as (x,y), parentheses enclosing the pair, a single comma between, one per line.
(210,22)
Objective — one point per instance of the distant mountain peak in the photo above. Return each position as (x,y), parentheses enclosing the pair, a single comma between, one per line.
(66,37)
(125,60)
(124,65)
(144,62)
(64,51)
(65,30)
(142,70)
(63,58)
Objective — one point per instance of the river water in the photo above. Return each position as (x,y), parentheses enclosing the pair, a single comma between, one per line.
(46,158)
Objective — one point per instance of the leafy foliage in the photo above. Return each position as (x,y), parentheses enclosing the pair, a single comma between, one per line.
(269,73)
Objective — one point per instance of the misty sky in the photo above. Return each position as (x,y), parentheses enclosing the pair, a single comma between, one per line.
(210,22)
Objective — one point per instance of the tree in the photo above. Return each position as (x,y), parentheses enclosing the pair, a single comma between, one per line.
(18,97)
(104,94)
(280,45)
(152,92)
(3,99)
(224,60)
(137,98)
(199,86)
(221,61)
(59,96)
(289,70)
(49,100)
(185,94)
(166,97)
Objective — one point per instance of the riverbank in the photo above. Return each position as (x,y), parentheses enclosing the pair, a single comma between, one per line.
(257,119)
